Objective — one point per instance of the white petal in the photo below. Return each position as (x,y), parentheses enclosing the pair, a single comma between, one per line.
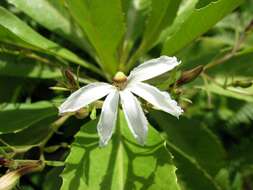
(108,117)
(85,96)
(159,99)
(153,68)
(134,115)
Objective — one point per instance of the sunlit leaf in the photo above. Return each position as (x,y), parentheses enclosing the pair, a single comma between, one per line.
(200,21)
(162,14)
(103,23)
(14,31)
(54,16)
(122,164)
(245,94)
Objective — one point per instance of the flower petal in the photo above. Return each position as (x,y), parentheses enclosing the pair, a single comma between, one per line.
(134,115)
(153,68)
(108,117)
(159,99)
(85,96)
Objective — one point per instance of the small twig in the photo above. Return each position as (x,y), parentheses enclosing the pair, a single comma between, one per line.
(54,127)
(230,54)
(27,54)
(225,87)
(209,96)
(77,76)
(6,144)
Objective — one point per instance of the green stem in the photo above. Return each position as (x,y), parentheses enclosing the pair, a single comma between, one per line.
(7,145)
(46,162)
(238,43)
(54,127)
(209,96)
(27,55)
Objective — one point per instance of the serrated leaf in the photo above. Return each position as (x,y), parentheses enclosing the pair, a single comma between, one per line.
(122,164)
(57,19)
(196,150)
(17,117)
(15,31)
(200,21)
(103,23)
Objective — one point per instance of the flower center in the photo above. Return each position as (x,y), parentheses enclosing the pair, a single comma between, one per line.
(120,80)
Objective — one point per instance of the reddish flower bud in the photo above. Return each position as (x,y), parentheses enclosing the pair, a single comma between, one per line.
(190,75)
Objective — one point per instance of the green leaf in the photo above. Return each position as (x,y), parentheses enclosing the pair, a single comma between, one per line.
(185,10)
(240,152)
(208,50)
(16,117)
(52,180)
(234,67)
(12,87)
(245,94)
(57,19)
(204,3)
(199,22)
(103,23)
(15,31)
(137,13)
(31,136)
(223,179)
(242,115)
(122,164)
(15,66)
(162,14)
(197,152)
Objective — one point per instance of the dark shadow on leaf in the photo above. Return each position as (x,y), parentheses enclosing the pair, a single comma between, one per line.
(122,152)
(107,179)
(204,3)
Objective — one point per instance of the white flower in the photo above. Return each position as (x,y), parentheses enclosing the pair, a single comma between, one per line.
(124,89)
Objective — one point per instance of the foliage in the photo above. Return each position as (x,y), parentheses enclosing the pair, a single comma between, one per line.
(49,48)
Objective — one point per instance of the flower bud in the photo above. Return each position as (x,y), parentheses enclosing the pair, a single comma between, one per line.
(9,180)
(190,75)
(82,113)
(70,78)
(242,84)
(249,27)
